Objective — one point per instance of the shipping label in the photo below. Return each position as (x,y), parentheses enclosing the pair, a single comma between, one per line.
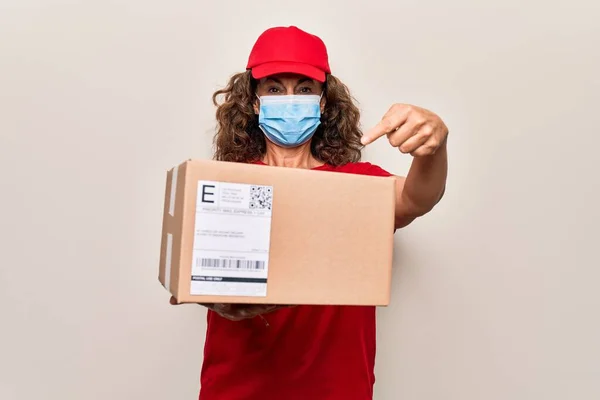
(231,239)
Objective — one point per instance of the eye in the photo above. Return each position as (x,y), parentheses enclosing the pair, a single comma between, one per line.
(305,90)
(273,89)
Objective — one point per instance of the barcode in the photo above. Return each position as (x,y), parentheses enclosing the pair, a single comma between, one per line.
(218,263)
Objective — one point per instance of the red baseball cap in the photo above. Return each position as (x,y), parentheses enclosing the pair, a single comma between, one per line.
(289,49)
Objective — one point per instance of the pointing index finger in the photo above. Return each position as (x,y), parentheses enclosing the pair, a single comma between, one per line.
(388,124)
(375,133)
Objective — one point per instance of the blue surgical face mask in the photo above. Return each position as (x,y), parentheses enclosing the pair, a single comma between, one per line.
(291,120)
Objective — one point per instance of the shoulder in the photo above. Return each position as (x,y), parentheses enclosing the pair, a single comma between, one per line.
(360,168)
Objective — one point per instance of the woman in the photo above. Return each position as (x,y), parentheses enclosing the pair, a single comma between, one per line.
(288,110)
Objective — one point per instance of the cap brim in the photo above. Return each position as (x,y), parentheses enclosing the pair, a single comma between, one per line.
(281,67)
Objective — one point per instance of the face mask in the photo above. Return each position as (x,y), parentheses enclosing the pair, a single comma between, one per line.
(289,121)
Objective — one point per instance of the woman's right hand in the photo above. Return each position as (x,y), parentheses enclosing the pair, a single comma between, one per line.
(238,312)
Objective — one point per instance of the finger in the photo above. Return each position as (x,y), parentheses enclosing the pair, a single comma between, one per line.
(242,312)
(229,312)
(239,314)
(234,312)
(257,309)
(405,132)
(252,310)
(413,143)
(267,309)
(223,308)
(232,317)
(422,133)
(173,301)
(388,124)
(425,150)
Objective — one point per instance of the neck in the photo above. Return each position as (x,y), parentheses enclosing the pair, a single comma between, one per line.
(297,157)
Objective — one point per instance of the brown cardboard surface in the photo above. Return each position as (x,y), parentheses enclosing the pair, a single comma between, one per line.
(331,234)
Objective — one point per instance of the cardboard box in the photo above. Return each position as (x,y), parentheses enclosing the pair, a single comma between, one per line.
(256,234)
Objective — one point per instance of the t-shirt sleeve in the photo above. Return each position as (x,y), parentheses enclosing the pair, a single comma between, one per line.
(366,168)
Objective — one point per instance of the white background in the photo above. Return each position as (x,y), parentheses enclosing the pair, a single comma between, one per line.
(495,292)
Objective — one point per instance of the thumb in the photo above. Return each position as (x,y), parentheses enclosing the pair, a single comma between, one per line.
(173,301)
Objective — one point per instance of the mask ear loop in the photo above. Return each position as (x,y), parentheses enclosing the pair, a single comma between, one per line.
(324,88)
(321,97)
(259,101)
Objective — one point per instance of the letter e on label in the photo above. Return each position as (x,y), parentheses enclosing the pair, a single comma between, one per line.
(208,194)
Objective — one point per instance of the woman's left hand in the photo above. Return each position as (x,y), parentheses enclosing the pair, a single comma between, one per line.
(413,130)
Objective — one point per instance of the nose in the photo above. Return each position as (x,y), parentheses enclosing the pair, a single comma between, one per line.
(289,89)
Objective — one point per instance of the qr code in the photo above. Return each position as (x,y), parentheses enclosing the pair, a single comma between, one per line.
(261,197)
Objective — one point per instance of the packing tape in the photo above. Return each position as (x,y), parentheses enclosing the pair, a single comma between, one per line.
(168,254)
(173,191)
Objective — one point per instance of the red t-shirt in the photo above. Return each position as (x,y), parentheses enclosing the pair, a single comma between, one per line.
(304,353)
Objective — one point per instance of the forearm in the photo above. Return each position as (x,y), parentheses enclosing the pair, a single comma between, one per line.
(424,184)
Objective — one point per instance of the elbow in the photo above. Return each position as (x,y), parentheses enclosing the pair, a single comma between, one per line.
(426,205)
(441,195)
(409,210)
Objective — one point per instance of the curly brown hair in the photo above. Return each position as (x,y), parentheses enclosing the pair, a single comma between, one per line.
(238,137)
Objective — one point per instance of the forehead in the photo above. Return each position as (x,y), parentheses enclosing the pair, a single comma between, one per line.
(288,79)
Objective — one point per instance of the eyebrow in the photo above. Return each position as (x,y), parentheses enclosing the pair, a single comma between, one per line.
(306,80)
